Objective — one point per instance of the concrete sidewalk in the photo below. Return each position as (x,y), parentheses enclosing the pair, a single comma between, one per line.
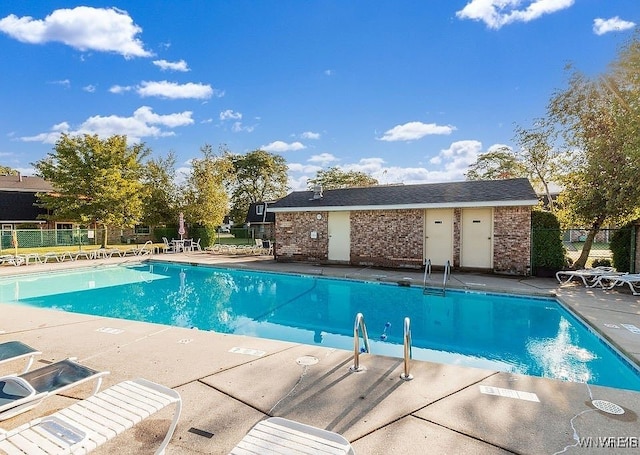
(229,382)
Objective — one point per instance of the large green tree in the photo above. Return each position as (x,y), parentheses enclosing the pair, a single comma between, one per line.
(541,161)
(600,119)
(161,191)
(94,180)
(336,178)
(501,163)
(256,176)
(205,201)
(6,170)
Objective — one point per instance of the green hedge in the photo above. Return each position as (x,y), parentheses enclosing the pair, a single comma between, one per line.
(206,235)
(547,251)
(620,244)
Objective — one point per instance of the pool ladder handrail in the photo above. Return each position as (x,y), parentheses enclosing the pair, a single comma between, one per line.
(406,375)
(427,274)
(359,327)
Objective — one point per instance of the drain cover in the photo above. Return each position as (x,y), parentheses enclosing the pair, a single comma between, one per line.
(307,360)
(608,407)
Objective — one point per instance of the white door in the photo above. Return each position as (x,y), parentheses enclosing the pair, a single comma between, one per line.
(339,236)
(438,232)
(476,236)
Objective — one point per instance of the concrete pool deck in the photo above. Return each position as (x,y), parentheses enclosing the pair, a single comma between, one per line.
(444,409)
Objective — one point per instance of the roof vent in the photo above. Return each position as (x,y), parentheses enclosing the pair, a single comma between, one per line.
(317,191)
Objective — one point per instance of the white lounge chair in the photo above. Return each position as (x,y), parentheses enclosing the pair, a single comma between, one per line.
(588,276)
(15,350)
(89,423)
(21,393)
(276,435)
(11,259)
(611,281)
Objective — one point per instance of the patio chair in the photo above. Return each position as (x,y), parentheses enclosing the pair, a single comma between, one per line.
(87,424)
(276,435)
(588,276)
(15,350)
(168,246)
(610,281)
(11,259)
(21,393)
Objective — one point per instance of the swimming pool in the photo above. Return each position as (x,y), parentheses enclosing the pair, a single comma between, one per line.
(533,336)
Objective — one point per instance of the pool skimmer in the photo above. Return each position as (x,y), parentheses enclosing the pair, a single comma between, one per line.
(608,407)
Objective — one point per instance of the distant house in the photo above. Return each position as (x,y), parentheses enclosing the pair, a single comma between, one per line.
(18,201)
(476,225)
(259,221)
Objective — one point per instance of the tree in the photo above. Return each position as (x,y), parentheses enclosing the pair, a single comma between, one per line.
(161,191)
(498,164)
(6,170)
(336,178)
(540,160)
(205,200)
(257,176)
(600,119)
(94,180)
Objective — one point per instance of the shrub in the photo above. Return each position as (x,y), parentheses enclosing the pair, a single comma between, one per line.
(621,248)
(547,251)
(206,235)
(168,232)
(601,263)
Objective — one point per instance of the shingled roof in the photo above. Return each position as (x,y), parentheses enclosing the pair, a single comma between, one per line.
(476,193)
(26,183)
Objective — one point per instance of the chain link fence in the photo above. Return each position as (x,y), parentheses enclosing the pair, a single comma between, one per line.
(36,238)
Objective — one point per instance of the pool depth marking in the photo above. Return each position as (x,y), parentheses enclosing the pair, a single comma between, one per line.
(509,393)
(247,351)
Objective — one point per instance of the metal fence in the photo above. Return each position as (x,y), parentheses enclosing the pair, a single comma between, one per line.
(574,239)
(35,238)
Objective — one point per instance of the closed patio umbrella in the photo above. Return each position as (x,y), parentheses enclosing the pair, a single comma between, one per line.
(181,230)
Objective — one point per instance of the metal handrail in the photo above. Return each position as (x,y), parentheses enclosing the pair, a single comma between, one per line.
(358,327)
(406,375)
(427,272)
(447,273)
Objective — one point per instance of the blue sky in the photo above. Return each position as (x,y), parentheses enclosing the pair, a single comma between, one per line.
(407,91)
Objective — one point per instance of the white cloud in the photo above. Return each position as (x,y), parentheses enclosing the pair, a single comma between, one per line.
(310,135)
(89,88)
(83,28)
(329,72)
(497,13)
(165,65)
(172,90)
(449,165)
(238,127)
(120,89)
(456,159)
(323,159)
(66,83)
(143,123)
(414,130)
(280,146)
(230,115)
(615,24)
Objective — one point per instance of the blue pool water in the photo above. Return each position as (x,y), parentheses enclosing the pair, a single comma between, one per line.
(534,336)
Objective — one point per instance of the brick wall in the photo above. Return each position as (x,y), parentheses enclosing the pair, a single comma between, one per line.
(395,238)
(293,236)
(512,240)
(387,238)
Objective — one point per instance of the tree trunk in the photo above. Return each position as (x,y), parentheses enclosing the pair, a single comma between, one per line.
(588,243)
(105,236)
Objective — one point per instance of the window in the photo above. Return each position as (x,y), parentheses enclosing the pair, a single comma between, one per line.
(141,229)
(259,209)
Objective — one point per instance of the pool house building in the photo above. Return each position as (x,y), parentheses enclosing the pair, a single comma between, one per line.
(475,225)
